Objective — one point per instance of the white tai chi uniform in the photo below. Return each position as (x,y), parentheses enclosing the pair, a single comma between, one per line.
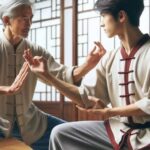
(31,121)
(121,80)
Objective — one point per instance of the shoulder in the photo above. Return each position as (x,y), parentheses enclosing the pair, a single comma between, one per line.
(107,60)
(36,49)
(144,51)
(109,56)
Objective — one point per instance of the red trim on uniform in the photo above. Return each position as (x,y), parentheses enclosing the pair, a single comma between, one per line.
(141,42)
(130,82)
(128,59)
(110,135)
(129,143)
(132,94)
(126,72)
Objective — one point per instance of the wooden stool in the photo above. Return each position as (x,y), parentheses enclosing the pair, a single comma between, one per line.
(13,144)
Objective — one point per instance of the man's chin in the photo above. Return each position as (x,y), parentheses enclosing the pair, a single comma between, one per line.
(24,36)
(110,35)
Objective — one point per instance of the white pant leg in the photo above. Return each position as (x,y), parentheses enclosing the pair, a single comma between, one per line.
(82,135)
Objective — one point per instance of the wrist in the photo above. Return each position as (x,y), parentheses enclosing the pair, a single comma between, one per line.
(87,66)
(110,112)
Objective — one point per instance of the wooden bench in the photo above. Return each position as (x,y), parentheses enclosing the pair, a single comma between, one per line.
(13,144)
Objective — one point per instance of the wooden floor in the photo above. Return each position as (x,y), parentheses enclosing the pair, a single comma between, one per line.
(13,144)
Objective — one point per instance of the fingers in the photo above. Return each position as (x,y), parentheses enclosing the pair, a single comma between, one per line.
(24,67)
(99,104)
(38,59)
(101,49)
(21,77)
(93,98)
(28,56)
(32,61)
(99,45)
(23,74)
(84,109)
(93,50)
(81,108)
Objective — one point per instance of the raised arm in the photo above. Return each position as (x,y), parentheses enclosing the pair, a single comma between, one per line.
(38,65)
(18,83)
(91,61)
(106,112)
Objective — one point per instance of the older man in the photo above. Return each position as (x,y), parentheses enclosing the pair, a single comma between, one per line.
(19,117)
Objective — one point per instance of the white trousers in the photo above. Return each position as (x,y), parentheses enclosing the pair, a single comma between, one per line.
(82,135)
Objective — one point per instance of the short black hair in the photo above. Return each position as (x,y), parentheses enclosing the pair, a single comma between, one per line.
(133,8)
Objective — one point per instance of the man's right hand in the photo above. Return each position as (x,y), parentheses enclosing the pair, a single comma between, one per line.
(18,83)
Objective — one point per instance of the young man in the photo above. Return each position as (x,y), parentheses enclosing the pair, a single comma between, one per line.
(19,117)
(122,79)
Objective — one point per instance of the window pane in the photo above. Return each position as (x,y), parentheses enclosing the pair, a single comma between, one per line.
(89,28)
(46,33)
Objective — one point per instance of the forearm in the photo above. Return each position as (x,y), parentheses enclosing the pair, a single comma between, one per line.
(91,61)
(66,89)
(80,71)
(4,90)
(125,111)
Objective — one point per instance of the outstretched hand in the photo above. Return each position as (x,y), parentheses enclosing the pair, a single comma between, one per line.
(37,64)
(98,109)
(95,55)
(18,83)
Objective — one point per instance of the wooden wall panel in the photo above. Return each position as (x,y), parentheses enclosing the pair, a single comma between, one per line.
(54,108)
(70,111)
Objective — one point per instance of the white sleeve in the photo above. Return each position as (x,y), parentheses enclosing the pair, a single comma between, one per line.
(144,105)
(98,85)
(58,70)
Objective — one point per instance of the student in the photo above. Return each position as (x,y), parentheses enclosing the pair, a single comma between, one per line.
(122,79)
(19,117)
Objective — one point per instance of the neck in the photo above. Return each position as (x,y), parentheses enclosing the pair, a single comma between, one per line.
(14,40)
(130,37)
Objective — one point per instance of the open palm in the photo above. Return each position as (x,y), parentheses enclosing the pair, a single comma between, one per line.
(37,64)
(18,82)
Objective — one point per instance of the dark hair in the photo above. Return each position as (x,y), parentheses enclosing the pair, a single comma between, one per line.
(133,8)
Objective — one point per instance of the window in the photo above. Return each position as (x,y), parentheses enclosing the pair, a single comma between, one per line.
(46,32)
(68,31)
(89,28)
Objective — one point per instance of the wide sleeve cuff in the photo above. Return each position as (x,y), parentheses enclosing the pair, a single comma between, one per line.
(144,105)
(84,97)
(68,75)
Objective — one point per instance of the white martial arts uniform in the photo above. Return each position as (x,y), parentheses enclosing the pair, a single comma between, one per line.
(121,80)
(32,122)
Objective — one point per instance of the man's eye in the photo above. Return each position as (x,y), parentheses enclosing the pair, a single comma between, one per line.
(25,18)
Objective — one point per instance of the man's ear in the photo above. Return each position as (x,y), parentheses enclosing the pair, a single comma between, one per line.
(6,20)
(122,16)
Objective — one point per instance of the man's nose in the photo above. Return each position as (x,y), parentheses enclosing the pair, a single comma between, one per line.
(28,21)
(101,24)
